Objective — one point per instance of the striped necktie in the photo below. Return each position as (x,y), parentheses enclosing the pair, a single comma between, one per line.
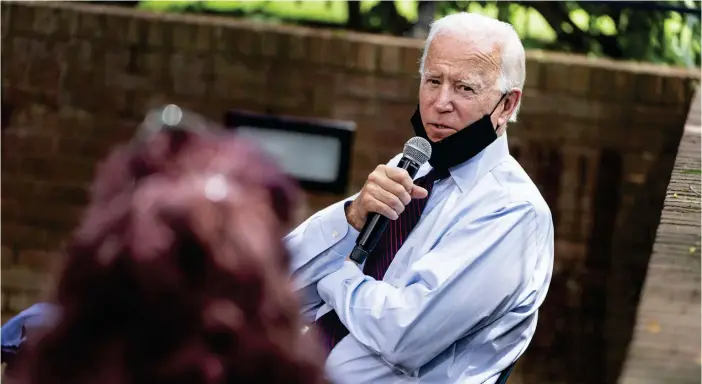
(378,261)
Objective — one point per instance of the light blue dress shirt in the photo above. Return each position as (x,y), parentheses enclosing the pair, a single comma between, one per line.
(459,302)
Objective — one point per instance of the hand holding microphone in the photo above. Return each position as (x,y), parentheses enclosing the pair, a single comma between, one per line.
(384,196)
(387,191)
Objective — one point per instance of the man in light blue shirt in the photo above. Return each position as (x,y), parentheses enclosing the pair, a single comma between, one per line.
(459,300)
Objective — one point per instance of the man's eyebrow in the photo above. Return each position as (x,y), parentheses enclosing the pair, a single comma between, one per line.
(473,81)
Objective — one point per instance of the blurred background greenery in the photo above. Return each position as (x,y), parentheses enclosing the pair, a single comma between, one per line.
(655,31)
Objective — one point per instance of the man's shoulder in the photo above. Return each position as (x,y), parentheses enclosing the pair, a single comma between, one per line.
(517,187)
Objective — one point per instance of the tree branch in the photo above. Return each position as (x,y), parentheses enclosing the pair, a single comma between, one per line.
(354,21)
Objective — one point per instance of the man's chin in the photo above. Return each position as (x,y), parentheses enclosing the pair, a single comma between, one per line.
(436,135)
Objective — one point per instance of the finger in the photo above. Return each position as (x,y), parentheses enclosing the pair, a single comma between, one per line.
(400,176)
(377,206)
(419,192)
(395,189)
(387,198)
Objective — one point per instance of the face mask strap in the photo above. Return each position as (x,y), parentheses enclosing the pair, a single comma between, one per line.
(498,104)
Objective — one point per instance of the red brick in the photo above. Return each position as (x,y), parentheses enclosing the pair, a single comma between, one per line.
(340,51)
(29,143)
(121,130)
(242,69)
(192,38)
(411,58)
(159,34)
(50,215)
(398,89)
(86,146)
(556,78)
(359,85)
(23,235)
(25,283)
(22,18)
(8,257)
(533,73)
(271,44)
(322,100)
(81,51)
(183,38)
(574,79)
(677,91)
(156,65)
(608,84)
(91,26)
(233,41)
(3,304)
(117,27)
(6,22)
(352,108)
(291,100)
(652,117)
(136,32)
(38,260)
(365,56)
(390,59)
(189,74)
(45,21)
(244,41)
(649,89)
(295,47)
(69,23)
(579,79)
(318,49)
(115,101)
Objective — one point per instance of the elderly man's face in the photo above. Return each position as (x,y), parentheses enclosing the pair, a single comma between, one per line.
(459,85)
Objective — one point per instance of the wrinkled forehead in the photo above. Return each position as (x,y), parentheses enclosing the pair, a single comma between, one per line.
(469,55)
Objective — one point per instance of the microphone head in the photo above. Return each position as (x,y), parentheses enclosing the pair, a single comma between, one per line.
(417,149)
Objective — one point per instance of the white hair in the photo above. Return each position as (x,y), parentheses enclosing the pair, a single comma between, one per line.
(493,32)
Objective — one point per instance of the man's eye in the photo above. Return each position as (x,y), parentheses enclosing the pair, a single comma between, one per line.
(465,88)
(433,81)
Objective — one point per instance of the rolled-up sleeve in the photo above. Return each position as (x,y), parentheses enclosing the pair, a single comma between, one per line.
(318,247)
(470,278)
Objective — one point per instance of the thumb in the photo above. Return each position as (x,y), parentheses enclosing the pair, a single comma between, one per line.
(418,192)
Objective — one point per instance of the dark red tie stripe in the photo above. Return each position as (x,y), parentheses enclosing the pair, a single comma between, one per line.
(397,231)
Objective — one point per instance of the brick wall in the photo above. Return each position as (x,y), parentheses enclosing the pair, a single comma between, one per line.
(599,139)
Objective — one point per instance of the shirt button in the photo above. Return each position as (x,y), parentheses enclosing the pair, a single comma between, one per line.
(335,234)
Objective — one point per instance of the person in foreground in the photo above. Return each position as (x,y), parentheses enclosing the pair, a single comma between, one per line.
(451,293)
(176,273)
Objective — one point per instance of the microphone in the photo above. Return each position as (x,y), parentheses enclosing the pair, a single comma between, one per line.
(416,152)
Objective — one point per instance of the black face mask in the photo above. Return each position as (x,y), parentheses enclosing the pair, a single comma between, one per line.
(462,145)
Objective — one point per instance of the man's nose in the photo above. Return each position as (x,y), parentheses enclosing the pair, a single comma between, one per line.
(444,102)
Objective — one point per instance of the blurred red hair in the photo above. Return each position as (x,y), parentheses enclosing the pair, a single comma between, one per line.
(177,273)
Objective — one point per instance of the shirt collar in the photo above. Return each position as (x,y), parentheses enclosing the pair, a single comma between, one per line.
(467,173)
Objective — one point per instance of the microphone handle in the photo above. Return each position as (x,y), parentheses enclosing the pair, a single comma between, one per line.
(376,223)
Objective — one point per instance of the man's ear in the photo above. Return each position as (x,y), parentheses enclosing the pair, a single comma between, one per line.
(510,104)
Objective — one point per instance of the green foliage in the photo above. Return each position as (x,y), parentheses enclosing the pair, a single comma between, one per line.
(617,30)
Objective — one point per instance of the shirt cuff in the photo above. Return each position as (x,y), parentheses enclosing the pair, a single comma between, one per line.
(342,278)
(340,235)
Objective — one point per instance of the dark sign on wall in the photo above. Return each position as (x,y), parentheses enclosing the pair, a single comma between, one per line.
(317,152)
